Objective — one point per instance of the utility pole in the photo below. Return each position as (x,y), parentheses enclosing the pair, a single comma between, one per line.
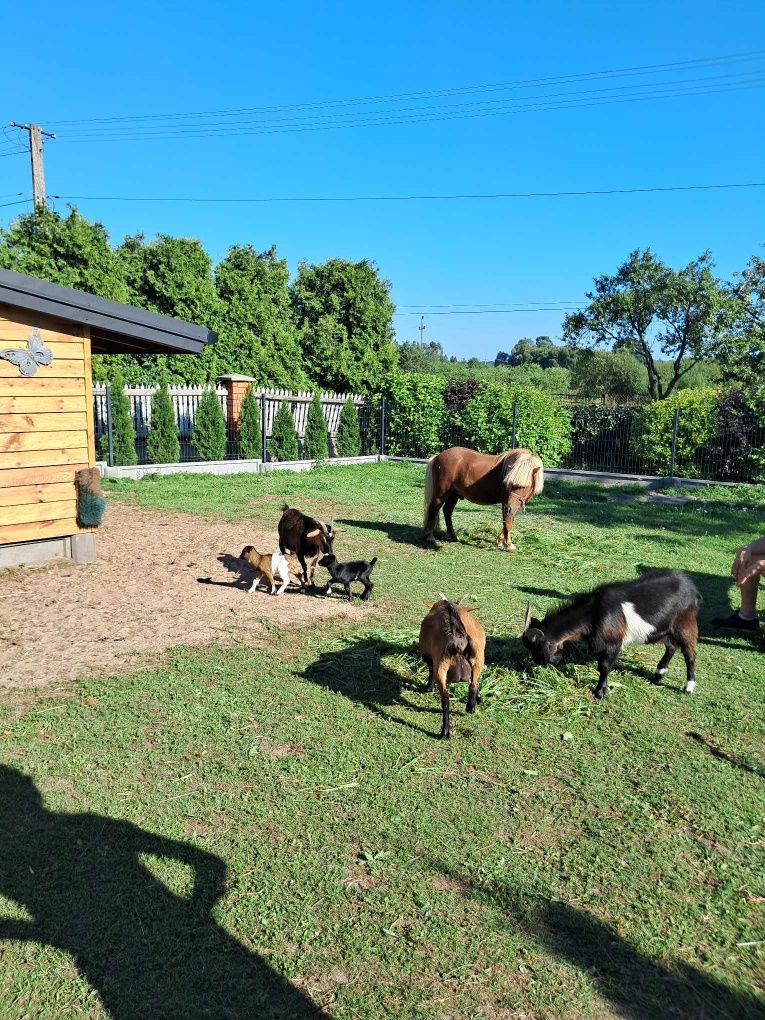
(36,135)
(421,328)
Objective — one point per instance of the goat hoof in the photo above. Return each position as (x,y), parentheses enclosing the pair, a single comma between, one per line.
(690,687)
(445,736)
(598,695)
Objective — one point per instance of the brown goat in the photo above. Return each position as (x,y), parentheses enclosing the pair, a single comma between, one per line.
(453,644)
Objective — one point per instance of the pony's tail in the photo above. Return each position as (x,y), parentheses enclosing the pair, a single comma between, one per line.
(526,468)
(430,487)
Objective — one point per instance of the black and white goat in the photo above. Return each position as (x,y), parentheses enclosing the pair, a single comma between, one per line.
(661,607)
(306,537)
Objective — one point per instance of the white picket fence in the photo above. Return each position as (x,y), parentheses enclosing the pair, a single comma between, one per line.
(185,400)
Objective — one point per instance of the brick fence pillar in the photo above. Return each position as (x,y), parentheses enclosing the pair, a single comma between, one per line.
(236,386)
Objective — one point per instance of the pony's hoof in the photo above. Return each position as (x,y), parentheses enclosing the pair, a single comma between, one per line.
(507,548)
(452,538)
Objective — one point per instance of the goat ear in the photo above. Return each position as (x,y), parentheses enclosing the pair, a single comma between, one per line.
(534,635)
(527,621)
(313,534)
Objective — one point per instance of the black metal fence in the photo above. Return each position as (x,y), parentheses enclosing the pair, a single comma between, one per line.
(611,438)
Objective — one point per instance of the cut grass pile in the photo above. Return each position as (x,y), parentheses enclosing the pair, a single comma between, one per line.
(274,831)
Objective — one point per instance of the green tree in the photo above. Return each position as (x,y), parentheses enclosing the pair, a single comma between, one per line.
(283,443)
(258,336)
(250,432)
(616,373)
(316,439)
(173,276)
(348,432)
(209,432)
(123,432)
(652,310)
(742,355)
(344,316)
(541,351)
(162,444)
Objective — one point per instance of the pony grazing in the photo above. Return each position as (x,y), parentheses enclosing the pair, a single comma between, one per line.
(509,478)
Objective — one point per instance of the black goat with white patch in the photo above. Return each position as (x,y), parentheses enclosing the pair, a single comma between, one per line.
(344,573)
(661,606)
(306,537)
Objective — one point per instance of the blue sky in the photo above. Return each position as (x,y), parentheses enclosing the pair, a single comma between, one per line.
(100,61)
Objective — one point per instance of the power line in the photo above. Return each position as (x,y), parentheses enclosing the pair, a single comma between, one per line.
(676,66)
(148,130)
(411,198)
(541,107)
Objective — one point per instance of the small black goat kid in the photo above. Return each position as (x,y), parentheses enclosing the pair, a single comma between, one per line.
(344,573)
(661,606)
(306,537)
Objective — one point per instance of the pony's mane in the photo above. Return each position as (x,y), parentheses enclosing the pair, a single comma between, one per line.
(521,468)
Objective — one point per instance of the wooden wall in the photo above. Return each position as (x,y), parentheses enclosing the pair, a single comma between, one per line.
(46,429)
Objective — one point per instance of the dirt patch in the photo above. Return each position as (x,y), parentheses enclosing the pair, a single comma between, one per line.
(143,596)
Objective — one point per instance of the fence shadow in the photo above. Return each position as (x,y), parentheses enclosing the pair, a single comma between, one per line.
(147,951)
(358,671)
(637,986)
(717,752)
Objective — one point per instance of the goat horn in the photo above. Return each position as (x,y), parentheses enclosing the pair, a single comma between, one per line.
(463,598)
(442,597)
(527,621)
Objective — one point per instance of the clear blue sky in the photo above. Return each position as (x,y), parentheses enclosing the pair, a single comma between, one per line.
(101,60)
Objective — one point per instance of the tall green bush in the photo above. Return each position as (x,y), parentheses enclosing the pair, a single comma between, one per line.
(283,442)
(250,432)
(209,433)
(543,424)
(698,415)
(316,439)
(123,432)
(416,414)
(162,444)
(348,433)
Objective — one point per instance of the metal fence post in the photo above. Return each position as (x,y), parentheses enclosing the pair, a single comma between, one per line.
(674,444)
(263,423)
(109,424)
(382,426)
(515,421)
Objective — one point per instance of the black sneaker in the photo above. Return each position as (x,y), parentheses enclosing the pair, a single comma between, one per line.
(735,622)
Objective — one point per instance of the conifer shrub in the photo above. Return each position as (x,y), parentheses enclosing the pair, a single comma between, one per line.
(209,433)
(283,442)
(162,444)
(348,433)
(250,431)
(316,439)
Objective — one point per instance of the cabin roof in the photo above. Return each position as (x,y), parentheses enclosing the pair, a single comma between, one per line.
(115,328)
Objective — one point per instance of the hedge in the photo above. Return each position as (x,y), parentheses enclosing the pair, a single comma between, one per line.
(416,414)
(543,424)
(698,417)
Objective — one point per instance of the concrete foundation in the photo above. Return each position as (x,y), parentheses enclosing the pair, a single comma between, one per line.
(79,548)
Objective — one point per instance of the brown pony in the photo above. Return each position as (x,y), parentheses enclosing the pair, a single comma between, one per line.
(509,478)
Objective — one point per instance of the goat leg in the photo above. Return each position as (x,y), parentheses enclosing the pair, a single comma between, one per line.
(665,660)
(606,662)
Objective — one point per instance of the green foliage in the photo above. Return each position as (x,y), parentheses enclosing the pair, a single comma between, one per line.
(209,433)
(282,444)
(162,444)
(615,373)
(743,354)
(123,432)
(316,439)
(258,336)
(343,312)
(552,380)
(542,352)
(542,424)
(647,307)
(698,412)
(416,414)
(250,431)
(348,440)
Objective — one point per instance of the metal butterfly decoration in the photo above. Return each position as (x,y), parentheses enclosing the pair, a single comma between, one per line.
(27,360)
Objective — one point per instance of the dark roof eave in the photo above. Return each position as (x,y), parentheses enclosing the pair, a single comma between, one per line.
(114,327)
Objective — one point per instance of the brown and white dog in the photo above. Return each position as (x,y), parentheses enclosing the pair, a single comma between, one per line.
(268,566)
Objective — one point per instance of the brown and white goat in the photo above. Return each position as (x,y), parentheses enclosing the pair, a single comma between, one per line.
(307,538)
(453,644)
(268,567)
(661,606)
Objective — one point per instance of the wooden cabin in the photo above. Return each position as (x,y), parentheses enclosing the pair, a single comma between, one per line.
(47,336)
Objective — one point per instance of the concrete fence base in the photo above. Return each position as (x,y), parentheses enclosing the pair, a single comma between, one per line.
(228,467)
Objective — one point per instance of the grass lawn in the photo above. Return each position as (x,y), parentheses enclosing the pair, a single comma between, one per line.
(275,831)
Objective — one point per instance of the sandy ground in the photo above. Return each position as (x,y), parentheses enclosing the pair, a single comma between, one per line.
(142,597)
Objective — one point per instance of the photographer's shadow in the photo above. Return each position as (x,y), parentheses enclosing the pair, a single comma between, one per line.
(147,951)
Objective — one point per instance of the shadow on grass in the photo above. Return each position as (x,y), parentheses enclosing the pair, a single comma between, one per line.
(403,534)
(358,671)
(717,752)
(147,951)
(637,986)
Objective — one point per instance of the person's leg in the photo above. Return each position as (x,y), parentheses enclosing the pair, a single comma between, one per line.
(748,610)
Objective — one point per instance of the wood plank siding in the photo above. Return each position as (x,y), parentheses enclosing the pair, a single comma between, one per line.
(46,429)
